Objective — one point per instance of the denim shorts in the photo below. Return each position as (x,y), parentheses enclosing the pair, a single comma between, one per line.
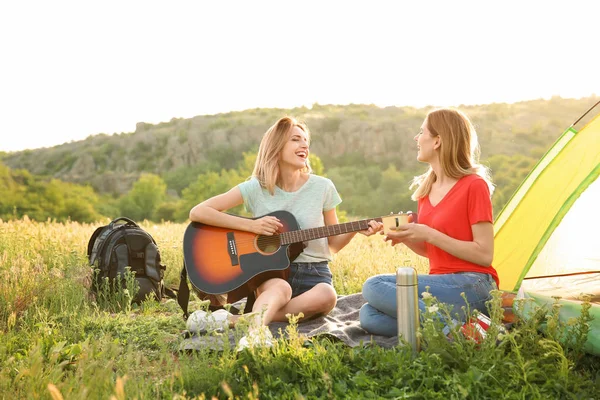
(305,276)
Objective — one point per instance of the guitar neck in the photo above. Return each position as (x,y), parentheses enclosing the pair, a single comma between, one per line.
(304,235)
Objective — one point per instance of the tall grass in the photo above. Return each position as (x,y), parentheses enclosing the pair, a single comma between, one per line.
(57,341)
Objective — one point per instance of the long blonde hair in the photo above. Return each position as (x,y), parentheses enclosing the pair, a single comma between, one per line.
(266,168)
(459,150)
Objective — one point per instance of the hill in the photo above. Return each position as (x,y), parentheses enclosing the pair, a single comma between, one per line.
(358,145)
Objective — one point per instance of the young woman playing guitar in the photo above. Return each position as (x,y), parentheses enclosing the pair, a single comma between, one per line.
(282,180)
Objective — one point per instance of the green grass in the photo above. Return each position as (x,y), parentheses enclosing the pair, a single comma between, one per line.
(56,341)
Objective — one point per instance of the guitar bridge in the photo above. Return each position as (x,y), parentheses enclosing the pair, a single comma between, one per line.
(232,249)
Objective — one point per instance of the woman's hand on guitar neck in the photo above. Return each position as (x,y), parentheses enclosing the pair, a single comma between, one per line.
(374,227)
(267,225)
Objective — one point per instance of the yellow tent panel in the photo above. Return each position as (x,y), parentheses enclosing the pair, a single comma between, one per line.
(546,242)
(527,222)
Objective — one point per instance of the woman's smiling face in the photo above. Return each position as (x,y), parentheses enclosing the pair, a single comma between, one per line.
(295,152)
(426,144)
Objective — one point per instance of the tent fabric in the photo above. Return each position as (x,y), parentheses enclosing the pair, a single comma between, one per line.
(525,225)
(569,310)
(566,287)
(573,246)
(545,239)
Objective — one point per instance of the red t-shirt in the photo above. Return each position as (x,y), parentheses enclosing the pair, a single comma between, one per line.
(467,203)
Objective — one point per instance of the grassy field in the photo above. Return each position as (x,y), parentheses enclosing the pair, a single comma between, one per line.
(56,342)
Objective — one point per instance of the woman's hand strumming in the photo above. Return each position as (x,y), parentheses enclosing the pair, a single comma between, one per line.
(267,225)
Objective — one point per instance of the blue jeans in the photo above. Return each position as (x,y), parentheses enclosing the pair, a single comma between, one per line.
(378,315)
(305,276)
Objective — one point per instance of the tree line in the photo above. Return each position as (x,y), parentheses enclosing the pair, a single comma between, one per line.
(160,171)
(366,191)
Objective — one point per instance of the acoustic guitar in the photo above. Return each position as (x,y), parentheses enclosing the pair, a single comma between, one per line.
(221,260)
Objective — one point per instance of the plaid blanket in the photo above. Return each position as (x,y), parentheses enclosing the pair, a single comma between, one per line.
(341,324)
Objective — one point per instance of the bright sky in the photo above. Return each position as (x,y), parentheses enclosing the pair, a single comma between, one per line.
(72,69)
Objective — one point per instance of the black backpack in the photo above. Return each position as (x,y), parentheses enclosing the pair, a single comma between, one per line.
(117,245)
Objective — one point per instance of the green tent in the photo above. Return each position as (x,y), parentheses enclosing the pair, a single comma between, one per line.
(546,240)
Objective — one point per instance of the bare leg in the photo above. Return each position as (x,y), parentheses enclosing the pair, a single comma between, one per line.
(319,300)
(272,295)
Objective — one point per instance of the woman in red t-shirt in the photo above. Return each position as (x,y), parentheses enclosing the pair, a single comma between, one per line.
(454,230)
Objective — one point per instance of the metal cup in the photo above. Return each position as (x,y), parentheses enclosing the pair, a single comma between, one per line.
(393,221)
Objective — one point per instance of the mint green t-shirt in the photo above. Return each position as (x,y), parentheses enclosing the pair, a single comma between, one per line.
(307,204)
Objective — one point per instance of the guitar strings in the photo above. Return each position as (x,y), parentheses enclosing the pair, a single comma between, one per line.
(261,239)
(276,238)
(268,239)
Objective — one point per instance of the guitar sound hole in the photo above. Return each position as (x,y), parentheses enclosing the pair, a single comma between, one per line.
(268,244)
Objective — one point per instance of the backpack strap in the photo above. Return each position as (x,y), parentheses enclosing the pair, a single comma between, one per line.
(127,222)
(183,294)
(170,292)
(90,246)
(122,253)
(152,270)
(95,245)
(250,302)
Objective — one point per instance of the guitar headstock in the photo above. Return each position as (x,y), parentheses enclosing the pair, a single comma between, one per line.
(393,221)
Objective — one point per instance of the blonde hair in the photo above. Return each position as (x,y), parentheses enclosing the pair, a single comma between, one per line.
(266,168)
(459,150)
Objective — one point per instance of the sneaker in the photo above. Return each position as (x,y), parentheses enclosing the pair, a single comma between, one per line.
(257,337)
(201,321)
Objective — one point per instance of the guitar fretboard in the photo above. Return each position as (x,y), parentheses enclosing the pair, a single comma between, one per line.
(303,235)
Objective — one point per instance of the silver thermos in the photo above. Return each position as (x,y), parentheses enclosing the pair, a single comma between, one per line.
(408,306)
